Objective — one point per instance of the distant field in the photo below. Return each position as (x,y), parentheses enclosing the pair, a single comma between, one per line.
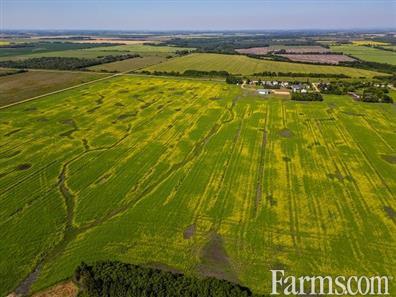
(3,42)
(197,176)
(80,53)
(368,42)
(237,64)
(42,47)
(288,49)
(366,53)
(323,59)
(130,64)
(143,50)
(17,87)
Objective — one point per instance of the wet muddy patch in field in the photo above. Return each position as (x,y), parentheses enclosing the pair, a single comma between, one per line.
(189,231)
(286,159)
(389,158)
(391,213)
(119,104)
(286,133)
(215,261)
(178,109)
(215,99)
(24,166)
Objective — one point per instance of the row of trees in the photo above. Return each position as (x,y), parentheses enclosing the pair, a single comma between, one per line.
(116,279)
(299,74)
(307,97)
(63,63)
(190,73)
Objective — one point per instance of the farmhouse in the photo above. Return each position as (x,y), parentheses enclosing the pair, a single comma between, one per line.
(263,91)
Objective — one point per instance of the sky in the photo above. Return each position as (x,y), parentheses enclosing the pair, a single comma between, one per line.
(197,14)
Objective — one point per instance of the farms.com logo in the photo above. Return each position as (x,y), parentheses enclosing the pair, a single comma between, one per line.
(328,285)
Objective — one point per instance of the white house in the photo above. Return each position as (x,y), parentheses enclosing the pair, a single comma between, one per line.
(263,91)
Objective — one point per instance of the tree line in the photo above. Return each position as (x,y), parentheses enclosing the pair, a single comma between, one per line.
(116,279)
(299,74)
(64,63)
(307,96)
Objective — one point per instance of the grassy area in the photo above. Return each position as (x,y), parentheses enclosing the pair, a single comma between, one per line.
(33,48)
(129,65)
(172,172)
(367,53)
(368,42)
(144,50)
(238,64)
(17,87)
(81,53)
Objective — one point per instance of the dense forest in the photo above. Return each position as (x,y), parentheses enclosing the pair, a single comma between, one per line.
(63,63)
(116,279)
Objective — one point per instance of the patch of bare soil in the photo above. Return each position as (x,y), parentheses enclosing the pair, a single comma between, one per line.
(215,261)
(24,166)
(390,212)
(286,133)
(189,232)
(68,289)
(389,158)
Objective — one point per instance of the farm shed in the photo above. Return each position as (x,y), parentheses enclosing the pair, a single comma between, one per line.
(263,91)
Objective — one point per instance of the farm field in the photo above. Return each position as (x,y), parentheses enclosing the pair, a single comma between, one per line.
(367,53)
(40,48)
(143,50)
(17,87)
(323,59)
(288,49)
(236,64)
(199,176)
(129,64)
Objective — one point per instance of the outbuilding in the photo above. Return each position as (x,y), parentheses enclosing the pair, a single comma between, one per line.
(263,91)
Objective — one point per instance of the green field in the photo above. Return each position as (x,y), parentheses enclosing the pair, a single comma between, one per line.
(129,64)
(198,176)
(238,64)
(17,87)
(33,48)
(367,53)
(143,50)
